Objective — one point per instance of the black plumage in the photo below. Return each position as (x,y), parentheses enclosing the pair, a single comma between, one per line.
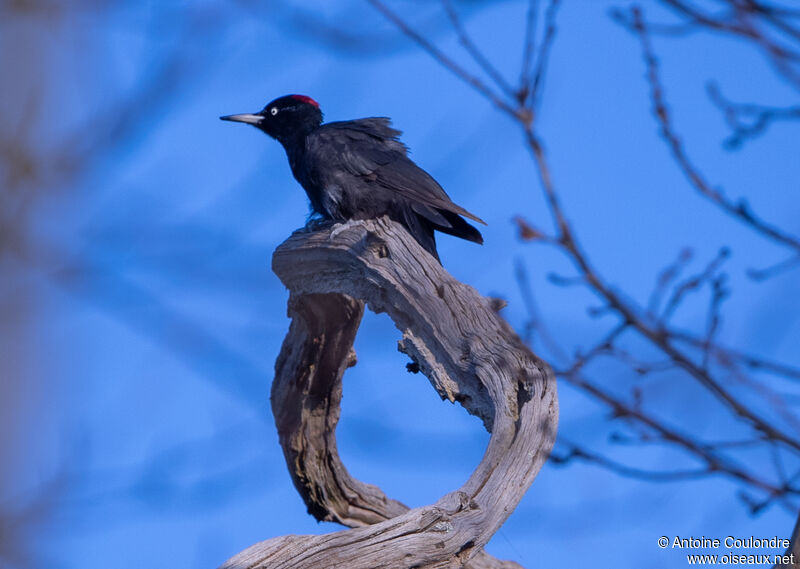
(359,169)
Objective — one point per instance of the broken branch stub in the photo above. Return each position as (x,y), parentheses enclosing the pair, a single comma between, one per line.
(469,354)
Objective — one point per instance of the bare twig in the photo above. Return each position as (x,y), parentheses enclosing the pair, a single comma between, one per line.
(665,278)
(529,45)
(474,52)
(776,269)
(748,121)
(576,452)
(543,57)
(446,61)
(727,355)
(719,294)
(739,210)
(784,57)
(692,284)
(535,322)
(713,461)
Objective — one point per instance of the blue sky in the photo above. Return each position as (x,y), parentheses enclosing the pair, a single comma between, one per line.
(153,388)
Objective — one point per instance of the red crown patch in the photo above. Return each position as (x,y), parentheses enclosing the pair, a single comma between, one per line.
(305,99)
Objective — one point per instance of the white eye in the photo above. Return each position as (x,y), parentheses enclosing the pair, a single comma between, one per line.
(273,111)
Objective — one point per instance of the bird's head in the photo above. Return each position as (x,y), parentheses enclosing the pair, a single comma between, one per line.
(284,118)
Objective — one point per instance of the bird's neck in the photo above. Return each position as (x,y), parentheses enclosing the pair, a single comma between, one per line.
(296,138)
(295,147)
(294,144)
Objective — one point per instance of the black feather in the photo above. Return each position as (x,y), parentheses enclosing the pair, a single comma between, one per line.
(360,170)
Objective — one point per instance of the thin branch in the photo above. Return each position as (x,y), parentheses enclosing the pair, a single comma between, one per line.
(776,269)
(582,359)
(782,57)
(718,295)
(443,59)
(623,18)
(751,362)
(630,313)
(543,56)
(715,462)
(693,283)
(576,452)
(777,18)
(665,278)
(739,210)
(475,53)
(748,121)
(529,45)
(535,322)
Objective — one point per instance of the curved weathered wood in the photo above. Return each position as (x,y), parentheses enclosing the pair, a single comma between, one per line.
(306,397)
(469,354)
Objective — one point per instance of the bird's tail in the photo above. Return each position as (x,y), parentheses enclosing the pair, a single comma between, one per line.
(422,231)
(459,227)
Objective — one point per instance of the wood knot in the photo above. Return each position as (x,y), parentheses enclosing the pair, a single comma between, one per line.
(496,304)
(444,527)
(376,246)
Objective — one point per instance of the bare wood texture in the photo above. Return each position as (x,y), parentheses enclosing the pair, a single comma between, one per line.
(466,350)
(793,551)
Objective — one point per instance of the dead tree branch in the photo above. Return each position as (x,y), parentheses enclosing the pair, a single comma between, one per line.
(470,355)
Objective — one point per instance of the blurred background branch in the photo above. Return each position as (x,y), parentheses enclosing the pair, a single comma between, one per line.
(694,362)
(654,325)
(136,302)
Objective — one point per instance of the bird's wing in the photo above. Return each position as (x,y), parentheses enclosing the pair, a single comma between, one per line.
(369,148)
